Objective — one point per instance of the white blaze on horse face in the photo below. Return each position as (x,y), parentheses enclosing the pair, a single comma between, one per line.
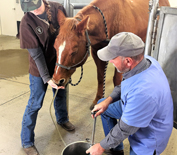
(60,50)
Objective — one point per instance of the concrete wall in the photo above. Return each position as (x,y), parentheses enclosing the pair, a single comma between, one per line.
(10,13)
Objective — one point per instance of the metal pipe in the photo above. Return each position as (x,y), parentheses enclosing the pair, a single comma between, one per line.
(93,132)
(79,6)
(152,16)
(66,5)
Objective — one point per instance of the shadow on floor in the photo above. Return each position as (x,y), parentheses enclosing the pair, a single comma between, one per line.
(13,62)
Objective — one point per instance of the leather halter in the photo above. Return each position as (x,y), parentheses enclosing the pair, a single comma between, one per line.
(86,54)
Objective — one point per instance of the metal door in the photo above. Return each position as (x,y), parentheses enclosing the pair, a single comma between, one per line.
(166,49)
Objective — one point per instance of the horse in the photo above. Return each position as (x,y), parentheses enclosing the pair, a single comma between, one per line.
(94,25)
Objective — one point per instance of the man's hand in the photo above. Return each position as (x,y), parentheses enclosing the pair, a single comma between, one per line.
(101,107)
(53,85)
(95,150)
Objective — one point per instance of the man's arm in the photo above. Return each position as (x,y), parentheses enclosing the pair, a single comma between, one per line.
(120,132)
(116,93)
(102,106)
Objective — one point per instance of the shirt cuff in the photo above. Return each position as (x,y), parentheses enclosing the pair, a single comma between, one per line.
(46,78)
(104,144)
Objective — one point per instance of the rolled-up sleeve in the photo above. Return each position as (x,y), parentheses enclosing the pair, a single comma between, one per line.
(116,93)
(118,133)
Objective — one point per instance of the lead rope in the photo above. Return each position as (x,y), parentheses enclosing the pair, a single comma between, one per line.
(70,80)
(53,118)
(104,79)
(106,31)
(104,20)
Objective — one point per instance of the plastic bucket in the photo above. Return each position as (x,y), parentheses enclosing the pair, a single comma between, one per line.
(76,148)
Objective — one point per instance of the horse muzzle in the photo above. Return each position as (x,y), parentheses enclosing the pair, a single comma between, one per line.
(61,82)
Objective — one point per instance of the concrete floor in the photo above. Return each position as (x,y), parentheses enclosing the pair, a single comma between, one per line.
(14,93)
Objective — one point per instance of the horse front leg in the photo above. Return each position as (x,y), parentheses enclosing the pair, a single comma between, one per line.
(100,77)
(117,78)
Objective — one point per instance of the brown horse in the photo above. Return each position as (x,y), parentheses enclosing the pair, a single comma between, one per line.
(114,16)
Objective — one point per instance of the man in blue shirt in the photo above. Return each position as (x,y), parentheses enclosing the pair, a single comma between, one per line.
(142,103)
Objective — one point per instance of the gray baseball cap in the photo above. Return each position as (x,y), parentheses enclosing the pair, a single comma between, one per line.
(124,44)
(30,5)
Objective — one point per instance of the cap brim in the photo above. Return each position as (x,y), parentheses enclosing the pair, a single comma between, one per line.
(27,7)
(105,55)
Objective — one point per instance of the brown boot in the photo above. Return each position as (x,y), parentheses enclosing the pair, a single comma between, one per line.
(68,126)
(31,150)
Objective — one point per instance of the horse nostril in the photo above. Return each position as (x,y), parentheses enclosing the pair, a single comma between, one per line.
(62,81)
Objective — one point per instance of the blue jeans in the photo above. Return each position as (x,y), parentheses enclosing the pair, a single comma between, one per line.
(35,102)
(109,120)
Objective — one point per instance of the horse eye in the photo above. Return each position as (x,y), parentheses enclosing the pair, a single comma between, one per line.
(73,53)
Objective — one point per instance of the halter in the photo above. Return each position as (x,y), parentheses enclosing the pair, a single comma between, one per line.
(86,54)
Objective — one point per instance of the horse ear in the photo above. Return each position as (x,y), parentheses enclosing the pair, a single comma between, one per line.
(61,17)
(83,25)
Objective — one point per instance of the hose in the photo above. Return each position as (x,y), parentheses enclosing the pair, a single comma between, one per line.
(53,118)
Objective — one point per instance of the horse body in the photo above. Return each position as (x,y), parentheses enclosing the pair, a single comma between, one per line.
(70,44)
(120,15)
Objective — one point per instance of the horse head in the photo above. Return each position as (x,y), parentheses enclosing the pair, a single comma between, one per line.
(71,46)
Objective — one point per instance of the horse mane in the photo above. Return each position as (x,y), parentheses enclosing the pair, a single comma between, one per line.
(70,25)
(89,8)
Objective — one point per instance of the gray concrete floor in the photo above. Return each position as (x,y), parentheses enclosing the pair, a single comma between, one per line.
(14,93)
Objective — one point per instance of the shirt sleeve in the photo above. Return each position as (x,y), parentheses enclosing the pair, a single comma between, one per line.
(120,132)
(116,93)
(27,36)
(38,57)
(139,109)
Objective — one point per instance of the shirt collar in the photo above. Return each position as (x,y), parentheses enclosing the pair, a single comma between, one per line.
(144,64)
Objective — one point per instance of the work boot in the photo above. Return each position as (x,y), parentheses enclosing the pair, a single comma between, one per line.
(68,126)
(114,152)
(31,150)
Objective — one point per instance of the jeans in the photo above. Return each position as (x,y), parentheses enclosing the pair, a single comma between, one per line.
(109,120)
(35,102)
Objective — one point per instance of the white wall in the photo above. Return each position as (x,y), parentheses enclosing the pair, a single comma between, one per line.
(0,26)
(10,13)
(173,3)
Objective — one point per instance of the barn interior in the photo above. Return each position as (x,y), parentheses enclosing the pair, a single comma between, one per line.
(14,95)
(14,92)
